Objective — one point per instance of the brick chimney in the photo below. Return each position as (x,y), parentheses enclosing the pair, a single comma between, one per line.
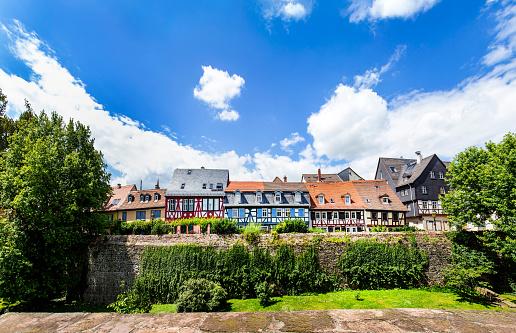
(319,177)
(284,179)
(202,168)
(118,185)
(419,156)
(157,185)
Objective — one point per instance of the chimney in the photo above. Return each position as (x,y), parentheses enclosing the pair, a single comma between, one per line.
(157,185)
(284,179)
(419,156)
(319,178)
(118,185)
(202,168)
(141,184)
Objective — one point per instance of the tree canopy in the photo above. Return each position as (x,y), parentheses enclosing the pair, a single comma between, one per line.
(483,189)
(52,182)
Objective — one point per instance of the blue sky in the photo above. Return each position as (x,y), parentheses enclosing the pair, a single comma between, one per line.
(267,87)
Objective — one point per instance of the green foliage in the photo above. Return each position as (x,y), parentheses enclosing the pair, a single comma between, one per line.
(292,226)
(224,227)
(378,228)
(264,292)
(130,301)
(200,295)
(200,221)
(483,189)
(152,227)
(369,264)
(6,305)
(164,270)
(405,228)
(316,231)
(52,182)
(252,232)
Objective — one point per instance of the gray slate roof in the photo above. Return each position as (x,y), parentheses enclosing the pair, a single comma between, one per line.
(408,170)
(194,179)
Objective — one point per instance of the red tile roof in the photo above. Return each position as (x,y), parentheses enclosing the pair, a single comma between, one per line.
(373,190)
(244,186)
(137,204)
(118,194)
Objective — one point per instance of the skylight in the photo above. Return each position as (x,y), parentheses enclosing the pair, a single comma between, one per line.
(183,186)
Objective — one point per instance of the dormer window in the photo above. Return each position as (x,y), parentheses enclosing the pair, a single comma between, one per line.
(189,172)
(321,199)
(203,186)
(219,186)
(277,197)
(211,186)
(259,197)
(156,196)
(183,186)
(331,200)
(116,201)
(347,199)
(142,198)
(393,169)
(147,197)
(130,199)
(367,200)
(297,197)
(238,197)
(385,200)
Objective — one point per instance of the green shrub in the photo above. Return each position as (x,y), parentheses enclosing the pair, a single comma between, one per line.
(264,292)
(200,295)
(378,228)
(6,305)
(405,228)
(224,227)
(292,226)
(369,264)
(252,232)
(316,231)
(131,301)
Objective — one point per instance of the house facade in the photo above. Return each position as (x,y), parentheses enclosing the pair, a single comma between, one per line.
(267,203)
(418,183)
(118,196)
(354,206)
(196,193)
(344,175)
(143,205)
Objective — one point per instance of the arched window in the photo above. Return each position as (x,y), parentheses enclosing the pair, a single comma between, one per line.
(277,197)
(238,197)
(130,199)
(259,197)
(142,198)
(156,196)
(147,197)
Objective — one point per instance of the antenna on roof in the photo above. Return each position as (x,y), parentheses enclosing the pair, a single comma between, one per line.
(157,185)
(141,184)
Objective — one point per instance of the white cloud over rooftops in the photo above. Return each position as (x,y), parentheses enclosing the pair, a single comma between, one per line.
(286,10)
(217,88)
(372,10)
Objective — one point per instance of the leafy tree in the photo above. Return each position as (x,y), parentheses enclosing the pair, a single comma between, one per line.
(52,180)
(9,126)
(483,189)
(292,226)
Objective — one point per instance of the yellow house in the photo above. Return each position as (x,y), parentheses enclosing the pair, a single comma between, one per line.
(119,194)
(144,205)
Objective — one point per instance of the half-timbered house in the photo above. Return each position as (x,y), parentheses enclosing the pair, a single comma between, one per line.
(267,203)
(196,193)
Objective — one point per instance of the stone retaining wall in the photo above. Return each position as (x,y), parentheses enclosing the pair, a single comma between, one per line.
(113,259)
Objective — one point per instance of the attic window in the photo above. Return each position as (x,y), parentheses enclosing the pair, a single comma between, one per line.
(298,197)
(156,196)
(331,200)
(277,197)
(385,200)
(203,186)
(376,186)
(238,197)
(393,169)
(321,199)
(183,186)
(367,200)
(142,198)
(219,186)
(147,197)
(211,186)
(347,199)
(116,201)
(189,172)
(259,197)
(130,199)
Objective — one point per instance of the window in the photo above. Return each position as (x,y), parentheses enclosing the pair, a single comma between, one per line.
(277,197)
(393,169)
(130,199)
(203,186)
(367,200)
(432,174)
(324,215)
(434,205)
(335,215)
(317,215)
(124,216)
(374,216)
(298,197)
(238,197)
(171,205)
(140,215)
(395,217)
(441,175)
(211,186)
(188,205)
(156,196)
(147,197)
(116,201)
(189,172)
(425,205)
(385,200)
(219,186)
(210,204)
(359,215)
(385,216)
(264,212)
(442,190)
(347,215)
(347,199)
(259,197)
(381,175)
(331,200)
(182,186)
(235,212)
(353,215)
(321,199)
(142,198)
(279,212)
(155,214)
(423,189)
(408,206)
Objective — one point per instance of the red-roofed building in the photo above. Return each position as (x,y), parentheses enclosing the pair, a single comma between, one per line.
(118,195)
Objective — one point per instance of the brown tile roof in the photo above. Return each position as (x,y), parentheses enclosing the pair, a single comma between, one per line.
(288,186)
(136,204)
(244,186)
(325,177)
(373,190)
(335,191)
(118,194)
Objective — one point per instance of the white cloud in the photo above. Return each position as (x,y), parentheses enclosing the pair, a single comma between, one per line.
(372,77)
(504,45)
(287,142)
(358,125)
(286,10)
(372,10)
(226,115)
(217,88)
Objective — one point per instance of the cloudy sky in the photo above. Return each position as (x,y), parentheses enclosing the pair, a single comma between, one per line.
(265,88)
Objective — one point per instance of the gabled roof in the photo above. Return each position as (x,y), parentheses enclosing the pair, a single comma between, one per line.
(277,180)
(244,186)
(137,204)
(407,170)
(193,180)
(349,174)
(266,186)
(337,192)
(325,177)
(118,193)
(372,192)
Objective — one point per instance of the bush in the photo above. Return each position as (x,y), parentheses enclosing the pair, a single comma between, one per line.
(292,226)
(224,227)
(369,264)
(378,228)
(264,292)
(131,301)
(200,295)
(405,228)
(316,231)
(252,233)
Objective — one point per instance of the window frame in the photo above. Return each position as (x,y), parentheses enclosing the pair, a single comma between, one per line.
(424,190)
(172,205)
(432,174)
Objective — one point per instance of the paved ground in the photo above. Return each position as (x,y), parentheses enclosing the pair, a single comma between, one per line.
(391,320)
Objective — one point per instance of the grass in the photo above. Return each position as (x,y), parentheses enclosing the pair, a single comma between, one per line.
(367,299)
